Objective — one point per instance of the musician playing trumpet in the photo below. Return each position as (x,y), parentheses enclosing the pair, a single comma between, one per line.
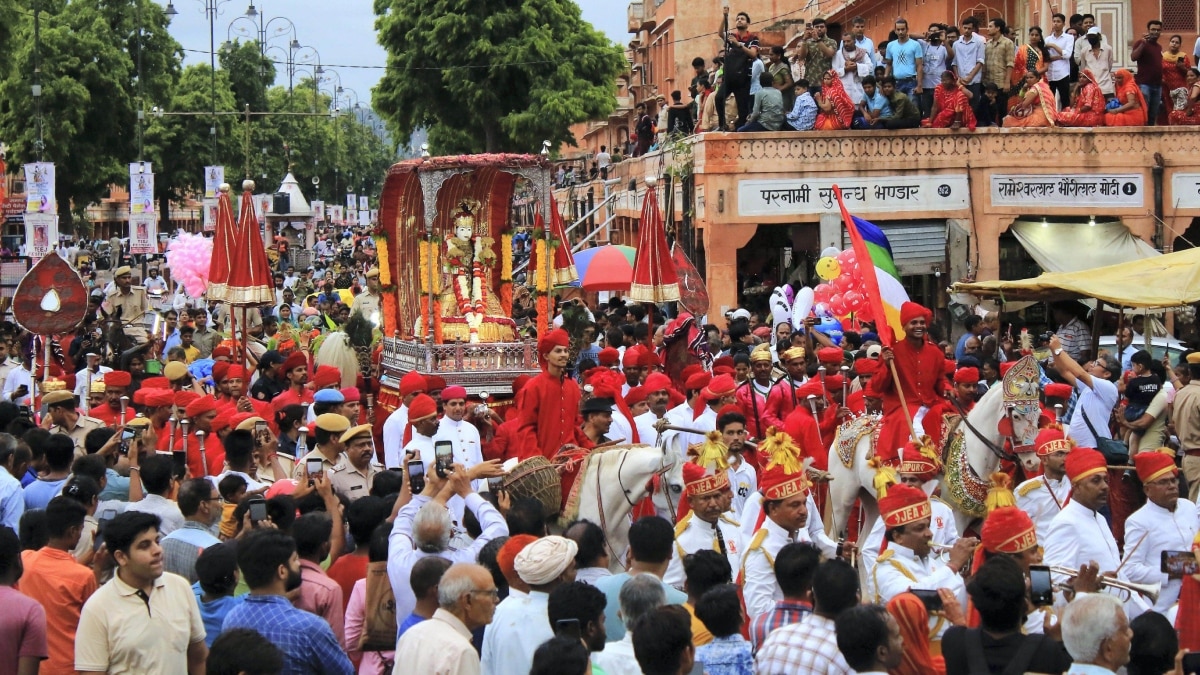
(1167,522)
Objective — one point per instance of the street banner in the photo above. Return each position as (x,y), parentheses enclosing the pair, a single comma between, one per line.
(374,215)
(39,188)
(143,233)
(141,188)
(351,216)
(262,206)
(213,177)
(318,210)
(363,203)
(364,217)
(41,234)
(351,201)
(335,214)
(210,215)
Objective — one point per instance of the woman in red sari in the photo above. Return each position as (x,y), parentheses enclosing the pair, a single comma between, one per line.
(1191,112)
(913,618)
(835,110)
(1176,63)
(951,105)
(1088,110)
(1132,112)
(1036,108)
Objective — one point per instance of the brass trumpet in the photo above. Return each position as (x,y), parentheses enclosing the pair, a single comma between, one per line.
(1149,591)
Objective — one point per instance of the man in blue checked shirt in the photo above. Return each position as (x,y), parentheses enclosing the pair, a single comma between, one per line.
(271,567)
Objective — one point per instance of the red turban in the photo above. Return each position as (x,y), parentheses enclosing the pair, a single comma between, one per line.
(295,360)
(966,376)
(1006,366)
(911,310)
(656,382)
(222,352)
(648,359)
(1008,529)
(1084,462)
(697,481)
(723,361)
(555,338)
(117,378)
(608,357)
(948,367)
(916,464)
(635,396)
(453,392)
(834,382)
(139,397)
(234,372)
(185,398)
(156,383)
(810,388)
(867,366)
(830,356)
(326,376)
(1053,390)
(422,407)
(506,557)
(697,381)
(904,504)
(436,383)
(412,383)
(201,405)
(1051,439)
(220,371)
(730,408)
(775,483)
(352,394)
(720,386)
(158,398)
(723,370)
(222,421)
(630,358)
(1154,464)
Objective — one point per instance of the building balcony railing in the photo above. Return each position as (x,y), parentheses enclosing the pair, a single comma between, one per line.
(636,12)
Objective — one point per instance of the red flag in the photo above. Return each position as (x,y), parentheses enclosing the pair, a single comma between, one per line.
(870,281)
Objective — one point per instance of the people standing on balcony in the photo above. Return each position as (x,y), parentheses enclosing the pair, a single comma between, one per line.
(1088,107)
(741,48)
(934,61)
(998,55)
(904,59)
(644,130)
(857,26)
(1190,114)
(952,104)
(969,58)
(804,111)
(1098,58)
(660,125)
(767,114)
(836,109)
(819,51)
(1060,45)
(1035,107)
(905,114)
(1148,54)
(1175,68)
(679,116)
(1031,57)
(1088,23)
(781,75)
(1132,109)
(851,65)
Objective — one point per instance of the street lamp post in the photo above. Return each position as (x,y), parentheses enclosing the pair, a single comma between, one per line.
(261,28)
(211,9)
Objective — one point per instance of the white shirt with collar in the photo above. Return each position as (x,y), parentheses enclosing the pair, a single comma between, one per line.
(82,383)
(680,441)
(898,570)
(945,533)
(759,586)
(1061,67)
(519,626)
(252,485)
(1079,535)
(743,480)
(393,437)
(815,528)
(17,377)
(1158,529)
(1041,498)
(693,534)
(465,438)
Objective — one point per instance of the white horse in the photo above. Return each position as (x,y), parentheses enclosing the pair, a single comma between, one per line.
(616,479)
(981,456)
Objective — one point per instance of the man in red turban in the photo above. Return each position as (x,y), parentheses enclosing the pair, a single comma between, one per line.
(295,376)
(1080,535)
(231,392)
(919,367)
(116,382)
(411,384)
(1167,522)
(201,413)
(549,407)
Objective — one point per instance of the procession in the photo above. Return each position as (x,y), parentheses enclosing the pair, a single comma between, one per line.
(704,404)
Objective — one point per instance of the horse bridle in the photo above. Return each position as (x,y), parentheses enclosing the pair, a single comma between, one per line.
(997,450)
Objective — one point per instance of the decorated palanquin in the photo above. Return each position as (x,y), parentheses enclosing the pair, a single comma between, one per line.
(444,239)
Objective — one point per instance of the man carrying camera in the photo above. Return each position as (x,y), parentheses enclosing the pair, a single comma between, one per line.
(741,48)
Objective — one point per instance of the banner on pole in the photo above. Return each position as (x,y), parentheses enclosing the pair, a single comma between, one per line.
(318,210)
(141,188)
(336,214)
(262,206)
(41,234)
(143,233)
(351,201)
(351,216)
(210,215)
(213,177)
(364,203)
(364,217)
(39,188)
(374,215)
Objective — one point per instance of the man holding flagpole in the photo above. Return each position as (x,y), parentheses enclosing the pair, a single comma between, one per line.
(914,384)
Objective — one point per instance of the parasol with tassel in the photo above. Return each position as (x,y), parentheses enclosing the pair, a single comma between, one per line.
(239,274)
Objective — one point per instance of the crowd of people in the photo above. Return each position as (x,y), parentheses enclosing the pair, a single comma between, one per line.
(263,516)
(977,74)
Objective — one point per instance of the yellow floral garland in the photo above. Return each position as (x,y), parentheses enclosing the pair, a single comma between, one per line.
(541,282)
(381,254)
(425,265)
(506,255)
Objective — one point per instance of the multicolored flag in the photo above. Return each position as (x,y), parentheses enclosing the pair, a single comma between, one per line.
(880,277)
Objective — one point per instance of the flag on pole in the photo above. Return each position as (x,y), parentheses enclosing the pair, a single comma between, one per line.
(883,289)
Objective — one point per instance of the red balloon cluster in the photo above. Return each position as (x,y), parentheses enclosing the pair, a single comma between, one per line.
(845,294)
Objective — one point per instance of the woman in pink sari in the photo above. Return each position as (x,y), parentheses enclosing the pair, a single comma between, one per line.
(951,105)
(1132,111)
(1036,108)
(835,110)
(1088,110)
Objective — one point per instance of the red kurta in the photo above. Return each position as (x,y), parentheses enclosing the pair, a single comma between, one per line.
(214,452)
(289,397)
(802,427)
(549,415)
(780,402)
(923,381)
(754,407)
(106,414)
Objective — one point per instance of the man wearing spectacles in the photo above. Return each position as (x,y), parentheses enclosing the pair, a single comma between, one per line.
(1167,522)
(200,504)
(466,601)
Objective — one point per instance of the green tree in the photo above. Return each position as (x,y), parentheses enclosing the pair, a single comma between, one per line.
(87,51)
(492,75)
(249,73)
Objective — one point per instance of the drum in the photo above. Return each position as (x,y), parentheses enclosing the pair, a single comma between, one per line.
(536,477)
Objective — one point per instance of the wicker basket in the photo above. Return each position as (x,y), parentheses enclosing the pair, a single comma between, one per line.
(536,477)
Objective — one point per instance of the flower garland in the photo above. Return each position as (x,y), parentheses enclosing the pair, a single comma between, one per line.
(381,256)
(540,282)
(506,286)
(428,262)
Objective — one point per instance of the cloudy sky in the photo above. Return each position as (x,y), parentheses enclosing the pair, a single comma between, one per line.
(343,33)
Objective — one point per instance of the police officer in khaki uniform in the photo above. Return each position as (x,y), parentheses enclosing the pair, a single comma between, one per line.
(131,300)
(62,408)
(352,477)
(367,302)
(328,446)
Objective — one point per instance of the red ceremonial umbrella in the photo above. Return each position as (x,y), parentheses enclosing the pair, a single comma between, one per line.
(564,271)
(654,278)
(605,268)
(240,273)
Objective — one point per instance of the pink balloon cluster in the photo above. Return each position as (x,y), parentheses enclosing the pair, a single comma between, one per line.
(845,294)
(189,256)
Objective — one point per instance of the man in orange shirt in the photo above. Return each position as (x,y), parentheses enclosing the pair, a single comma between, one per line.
(59,583)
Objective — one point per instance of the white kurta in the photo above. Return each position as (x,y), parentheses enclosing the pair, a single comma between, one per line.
(645,426)
(465,438)
(621,430)
(1041,499)
(815,528)
(1162,530)
(393,437)
(697,535)
(519,626)
(759,586)
(1078,536)
(902,571)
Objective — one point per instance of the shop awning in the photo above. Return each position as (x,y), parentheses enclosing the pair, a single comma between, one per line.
(1071,247)
(1168,280)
